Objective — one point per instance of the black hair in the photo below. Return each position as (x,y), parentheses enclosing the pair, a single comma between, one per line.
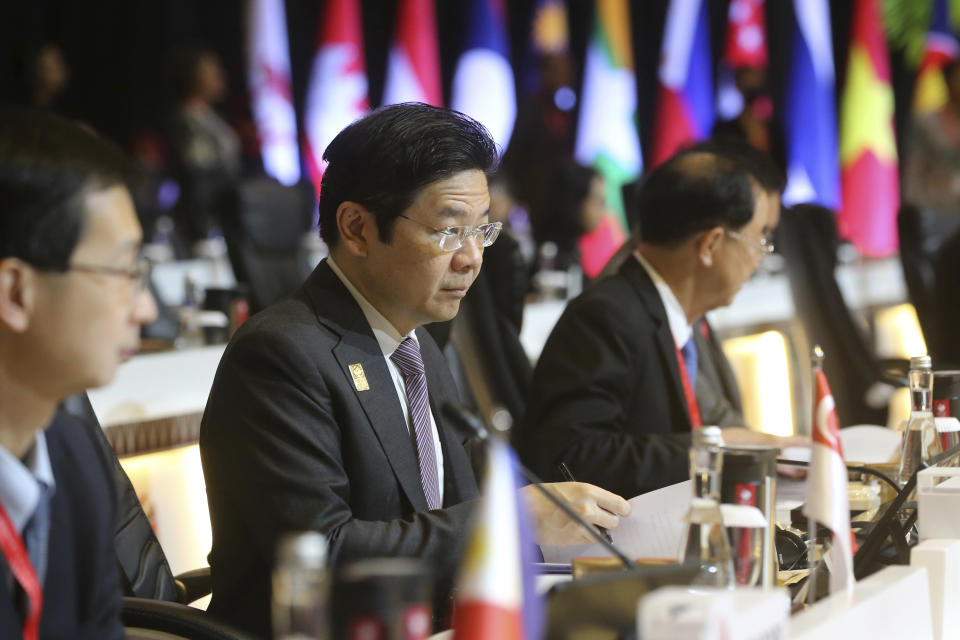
(570,187)
(47,166)
(183,66)
(383,160)
(694,190)
(757,163)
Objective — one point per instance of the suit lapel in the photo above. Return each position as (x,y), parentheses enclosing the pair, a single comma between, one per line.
(638,277)
(337,309)
(10,624)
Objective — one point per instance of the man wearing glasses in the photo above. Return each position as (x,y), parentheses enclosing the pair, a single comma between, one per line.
(325,411)
(614,395)
(72,301)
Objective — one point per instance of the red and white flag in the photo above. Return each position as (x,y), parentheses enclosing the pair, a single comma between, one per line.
(337,93)
(413,68)
(827,487)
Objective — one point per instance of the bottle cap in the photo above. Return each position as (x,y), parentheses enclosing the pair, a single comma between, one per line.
(708,436)
(921,362)
(306,549)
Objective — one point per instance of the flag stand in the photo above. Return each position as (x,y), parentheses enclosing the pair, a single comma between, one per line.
(813,561)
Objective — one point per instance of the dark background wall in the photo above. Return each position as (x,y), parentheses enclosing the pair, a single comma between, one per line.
(117,49)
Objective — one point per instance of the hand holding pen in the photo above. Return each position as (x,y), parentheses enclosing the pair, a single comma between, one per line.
(568,476)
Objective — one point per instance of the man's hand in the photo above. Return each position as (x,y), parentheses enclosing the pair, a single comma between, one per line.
(735,436)
(593,504)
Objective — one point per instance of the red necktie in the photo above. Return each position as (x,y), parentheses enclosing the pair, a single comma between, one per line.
(17,557)
(692,408)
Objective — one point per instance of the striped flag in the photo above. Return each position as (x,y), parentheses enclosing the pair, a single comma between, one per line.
(745,46)
(337,93)
(495,590)
(607,133)
(483,86)
(868,150)
(413,67)
(941,47)
(810,114)
(827,501)
(268,79)
(685,107)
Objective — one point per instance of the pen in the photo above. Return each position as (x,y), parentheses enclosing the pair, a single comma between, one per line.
(568,476)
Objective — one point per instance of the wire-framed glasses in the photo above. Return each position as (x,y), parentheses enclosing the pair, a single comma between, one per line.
(764,245)
(139,274)
(452,238)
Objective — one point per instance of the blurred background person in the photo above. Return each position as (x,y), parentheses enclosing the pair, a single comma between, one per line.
(44,76)
(204,151)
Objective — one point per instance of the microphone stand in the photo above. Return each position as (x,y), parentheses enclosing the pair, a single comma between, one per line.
(463,417)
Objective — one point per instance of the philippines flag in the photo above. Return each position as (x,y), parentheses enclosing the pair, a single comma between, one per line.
(941,47)
(868,147)
(810,114)
(413,67)
(685,111)
(268,79)
(827,487)
(483,86)
(337,93)
(495,592)
(607,132)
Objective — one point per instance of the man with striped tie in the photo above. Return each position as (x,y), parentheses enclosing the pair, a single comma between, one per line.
(325,411)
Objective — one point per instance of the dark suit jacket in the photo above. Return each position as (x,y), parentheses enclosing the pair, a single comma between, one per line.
(717,394)
(289,443)
(606,395)
(81,592)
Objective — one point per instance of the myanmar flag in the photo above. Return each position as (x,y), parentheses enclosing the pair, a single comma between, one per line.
(607,132)
(868,151)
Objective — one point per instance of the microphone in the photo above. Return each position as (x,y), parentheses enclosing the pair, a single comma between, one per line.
(467,419)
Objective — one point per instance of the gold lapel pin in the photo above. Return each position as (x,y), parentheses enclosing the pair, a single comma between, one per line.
(359,377)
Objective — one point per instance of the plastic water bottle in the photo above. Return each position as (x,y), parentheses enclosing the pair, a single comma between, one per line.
(301,588)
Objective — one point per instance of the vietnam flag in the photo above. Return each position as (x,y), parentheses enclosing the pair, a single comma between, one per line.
(930,92)
(827,486)
(607,132)
(868,151)
(413,67)
(684,112)
(495,591)
(337,93)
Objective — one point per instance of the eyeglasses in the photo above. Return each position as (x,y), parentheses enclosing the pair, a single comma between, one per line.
(452,238)
(764,245)
(139,274)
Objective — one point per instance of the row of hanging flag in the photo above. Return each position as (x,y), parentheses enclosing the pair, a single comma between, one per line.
(849,166)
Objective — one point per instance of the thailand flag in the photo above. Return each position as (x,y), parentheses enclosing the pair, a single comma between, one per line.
(941,47)
(685,108)
(337,94)
(495,590)
(268,79)
(827,486)
(810,114)
(413,67)
(483,86)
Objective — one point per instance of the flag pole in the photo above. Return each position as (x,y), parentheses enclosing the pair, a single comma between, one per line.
(816,361)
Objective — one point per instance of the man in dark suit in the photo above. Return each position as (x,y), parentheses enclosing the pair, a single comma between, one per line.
(613,394)
(325,413)
(72,300)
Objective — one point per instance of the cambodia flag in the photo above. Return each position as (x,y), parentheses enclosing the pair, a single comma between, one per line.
(268,79)
(495,590)
(868,149)
(810,114)
(483,86)
(413,67)
(941,47)
(337,93)
(685,110)
(827,486)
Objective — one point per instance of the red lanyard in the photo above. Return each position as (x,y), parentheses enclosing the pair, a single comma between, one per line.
(19,560)
(692,407)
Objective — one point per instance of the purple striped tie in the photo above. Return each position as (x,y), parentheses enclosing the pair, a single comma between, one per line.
(408,360)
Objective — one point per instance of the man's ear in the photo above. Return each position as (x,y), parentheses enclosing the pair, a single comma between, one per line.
(17,284)
(356,225)
(708,244)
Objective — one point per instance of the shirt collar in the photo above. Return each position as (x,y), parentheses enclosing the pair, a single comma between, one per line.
(23,482)
(676,316)
(386,334)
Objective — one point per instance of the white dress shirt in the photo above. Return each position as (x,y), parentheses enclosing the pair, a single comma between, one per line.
(389,339)
(676,316)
